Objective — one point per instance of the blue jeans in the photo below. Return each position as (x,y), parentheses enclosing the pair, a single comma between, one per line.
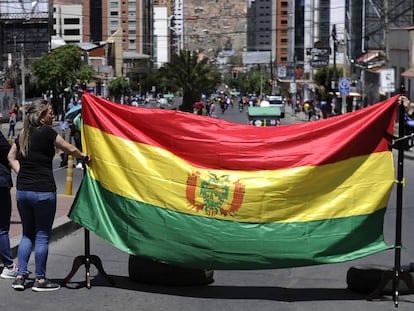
(5,214)
(37,211)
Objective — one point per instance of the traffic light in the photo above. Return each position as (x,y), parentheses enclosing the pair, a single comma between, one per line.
(234,73)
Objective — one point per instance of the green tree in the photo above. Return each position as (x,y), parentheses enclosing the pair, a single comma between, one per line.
(118,87)
(61,69)
(142,77)
(250,82)
(191,76)
(324,76)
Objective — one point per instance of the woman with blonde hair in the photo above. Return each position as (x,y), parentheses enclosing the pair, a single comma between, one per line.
(31,157)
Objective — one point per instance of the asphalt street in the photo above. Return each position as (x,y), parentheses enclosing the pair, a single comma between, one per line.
(321,287)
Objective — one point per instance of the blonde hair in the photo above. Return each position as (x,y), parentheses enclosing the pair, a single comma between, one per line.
(34,114)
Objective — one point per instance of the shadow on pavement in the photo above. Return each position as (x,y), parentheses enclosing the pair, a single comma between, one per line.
(271,293)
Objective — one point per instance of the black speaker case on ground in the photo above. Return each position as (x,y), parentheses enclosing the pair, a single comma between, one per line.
(148,270)
(366,279)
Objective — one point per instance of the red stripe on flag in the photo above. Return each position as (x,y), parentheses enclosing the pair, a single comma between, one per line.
(218,144)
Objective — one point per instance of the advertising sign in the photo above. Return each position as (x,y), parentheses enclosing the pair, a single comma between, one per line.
(387,78)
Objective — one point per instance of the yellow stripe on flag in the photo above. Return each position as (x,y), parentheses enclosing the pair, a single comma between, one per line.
(357,186)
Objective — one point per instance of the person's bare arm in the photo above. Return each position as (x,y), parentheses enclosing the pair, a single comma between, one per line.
(70,149)
(12,157)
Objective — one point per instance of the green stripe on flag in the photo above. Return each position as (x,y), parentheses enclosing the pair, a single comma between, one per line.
(201,242)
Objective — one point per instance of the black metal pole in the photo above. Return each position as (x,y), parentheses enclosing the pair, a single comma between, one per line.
(398,230)
(87,259)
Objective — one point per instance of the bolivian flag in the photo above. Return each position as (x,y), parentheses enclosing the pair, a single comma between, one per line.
(201,192)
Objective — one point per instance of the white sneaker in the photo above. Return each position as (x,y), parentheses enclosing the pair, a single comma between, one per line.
(9,273)
(79,165)
(44,286)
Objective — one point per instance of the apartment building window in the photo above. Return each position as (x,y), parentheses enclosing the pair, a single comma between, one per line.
(71,21)
(114,5)
(71,32)
(132,24)
(114,13)
(114,23)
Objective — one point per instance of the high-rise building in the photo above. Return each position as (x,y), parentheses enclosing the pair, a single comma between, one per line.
(177,26)
(309,24)
(24,28)
(126,23)
(68,21)
(105,17)
(281,32)
(260,15)
(161,51)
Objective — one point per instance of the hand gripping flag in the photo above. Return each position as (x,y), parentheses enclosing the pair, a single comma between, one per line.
(201,192)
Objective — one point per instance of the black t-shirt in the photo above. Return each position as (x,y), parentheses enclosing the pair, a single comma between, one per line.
(36,169)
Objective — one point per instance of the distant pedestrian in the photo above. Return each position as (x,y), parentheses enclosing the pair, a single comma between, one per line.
(31,157)
(12,125)
(9,268)
(212,110)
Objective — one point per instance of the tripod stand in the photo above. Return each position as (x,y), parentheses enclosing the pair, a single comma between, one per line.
(87,259)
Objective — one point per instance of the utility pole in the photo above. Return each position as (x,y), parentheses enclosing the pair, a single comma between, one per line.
(335,45)
(23,81)
(334,72)
(293,85)
(386,30)
(344,70)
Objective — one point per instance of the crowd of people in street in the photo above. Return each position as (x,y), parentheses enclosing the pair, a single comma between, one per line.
(224,101)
